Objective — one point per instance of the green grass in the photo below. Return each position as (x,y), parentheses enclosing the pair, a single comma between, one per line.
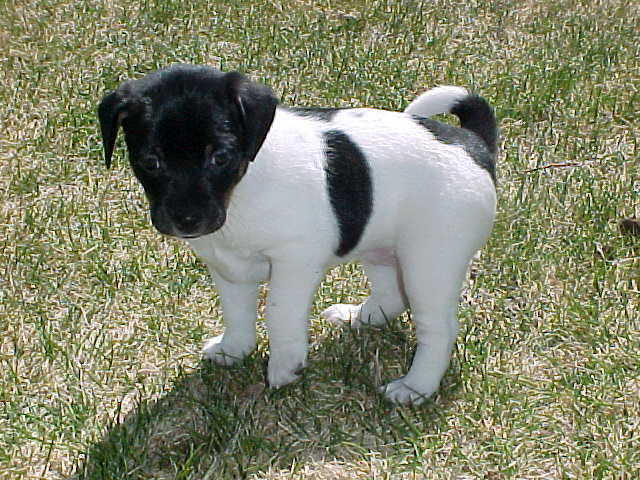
(101,318)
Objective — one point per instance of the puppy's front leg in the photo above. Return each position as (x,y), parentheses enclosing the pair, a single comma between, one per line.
(291,291)
(239,310)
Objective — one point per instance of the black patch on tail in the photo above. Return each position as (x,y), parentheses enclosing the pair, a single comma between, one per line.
(350,188)
(476,115)
(478,135)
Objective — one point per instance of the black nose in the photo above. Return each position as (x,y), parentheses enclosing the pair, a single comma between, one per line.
(187,224)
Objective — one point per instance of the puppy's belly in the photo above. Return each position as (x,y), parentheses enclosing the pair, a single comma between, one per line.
(379,256)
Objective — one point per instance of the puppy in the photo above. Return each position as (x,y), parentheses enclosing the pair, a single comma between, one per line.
(263,192)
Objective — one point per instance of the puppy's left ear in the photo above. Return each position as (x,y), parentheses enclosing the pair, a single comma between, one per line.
(255,105)
(111,111)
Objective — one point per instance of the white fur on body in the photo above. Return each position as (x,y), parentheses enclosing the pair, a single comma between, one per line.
(433,208)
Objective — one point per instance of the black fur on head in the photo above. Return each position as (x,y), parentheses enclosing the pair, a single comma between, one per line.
(191,132)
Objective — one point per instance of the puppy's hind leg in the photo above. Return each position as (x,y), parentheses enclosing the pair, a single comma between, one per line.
(386,302)
(433,269)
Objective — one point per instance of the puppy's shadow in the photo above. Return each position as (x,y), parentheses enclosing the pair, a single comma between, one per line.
(223,423)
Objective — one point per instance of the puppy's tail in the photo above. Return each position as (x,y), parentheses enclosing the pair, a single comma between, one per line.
(437,100)
(474,112)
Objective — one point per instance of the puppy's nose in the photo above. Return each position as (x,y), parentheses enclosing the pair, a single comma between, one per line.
(187,224)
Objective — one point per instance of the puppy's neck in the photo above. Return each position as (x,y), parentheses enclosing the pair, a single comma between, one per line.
(287,170)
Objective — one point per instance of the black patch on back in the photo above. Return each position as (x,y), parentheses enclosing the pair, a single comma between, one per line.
(350,188)
(472,143)
(318,113)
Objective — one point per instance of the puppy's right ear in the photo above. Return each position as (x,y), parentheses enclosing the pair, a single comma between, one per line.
(111,111)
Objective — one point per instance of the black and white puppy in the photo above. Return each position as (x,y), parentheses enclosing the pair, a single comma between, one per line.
(262,192)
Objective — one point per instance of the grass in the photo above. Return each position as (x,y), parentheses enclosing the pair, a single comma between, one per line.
(101,318)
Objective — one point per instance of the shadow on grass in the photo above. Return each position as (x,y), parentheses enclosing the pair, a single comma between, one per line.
(223,423)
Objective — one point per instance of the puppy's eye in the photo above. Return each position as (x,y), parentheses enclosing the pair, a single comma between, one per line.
(150,163)
(215,159)
(218,161)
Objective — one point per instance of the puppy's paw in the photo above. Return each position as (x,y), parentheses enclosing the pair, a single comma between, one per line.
(285,368)
(224,353)
(405,392)
(356,315)
(341,313)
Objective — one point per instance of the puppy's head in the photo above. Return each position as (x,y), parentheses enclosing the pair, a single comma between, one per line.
(191,132)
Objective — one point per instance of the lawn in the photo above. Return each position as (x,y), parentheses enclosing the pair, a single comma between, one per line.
(102,319)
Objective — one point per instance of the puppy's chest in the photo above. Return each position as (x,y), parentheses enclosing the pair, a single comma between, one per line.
(234,265)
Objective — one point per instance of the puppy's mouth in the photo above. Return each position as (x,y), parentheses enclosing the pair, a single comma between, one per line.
(197,233)
(172,229)
(188,236)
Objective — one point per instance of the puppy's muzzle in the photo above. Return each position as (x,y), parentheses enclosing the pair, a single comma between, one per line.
(187,224)
(193,225)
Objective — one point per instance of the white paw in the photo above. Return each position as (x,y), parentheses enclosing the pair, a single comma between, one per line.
(224,353)
(285,368)
(404,392)
(341,313)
